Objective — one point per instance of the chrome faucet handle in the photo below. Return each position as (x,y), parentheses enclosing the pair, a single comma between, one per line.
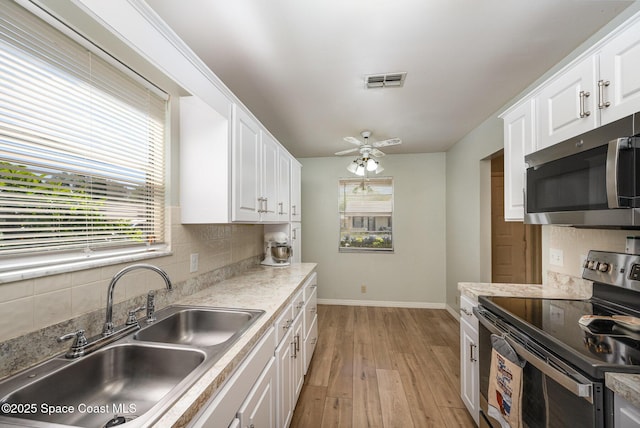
(131,319)
(79,343)
(151,306)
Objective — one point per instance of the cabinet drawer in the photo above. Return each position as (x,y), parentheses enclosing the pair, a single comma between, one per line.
(283,323)
(310,286)
(466,311)
(298,303)
(310,311)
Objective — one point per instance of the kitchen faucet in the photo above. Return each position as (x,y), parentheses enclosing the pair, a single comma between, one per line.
(108,328)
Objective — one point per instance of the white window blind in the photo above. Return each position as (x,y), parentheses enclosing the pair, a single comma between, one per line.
(81,146)
(366,214)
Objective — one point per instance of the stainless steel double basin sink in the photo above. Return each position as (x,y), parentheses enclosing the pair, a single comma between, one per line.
(131,381)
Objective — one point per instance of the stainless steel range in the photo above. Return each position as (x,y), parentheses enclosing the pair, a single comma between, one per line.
(569,345)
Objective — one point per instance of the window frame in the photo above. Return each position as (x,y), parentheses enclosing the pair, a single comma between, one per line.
(365,218)
(18,267)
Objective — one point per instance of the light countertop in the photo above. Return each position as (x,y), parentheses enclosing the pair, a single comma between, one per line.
(266,288)
(558,287)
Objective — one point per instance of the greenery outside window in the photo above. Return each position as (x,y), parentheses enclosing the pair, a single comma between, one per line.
(81,150)
(366,214)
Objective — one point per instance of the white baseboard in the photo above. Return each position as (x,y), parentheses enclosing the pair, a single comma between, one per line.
(453,313)
(380,303)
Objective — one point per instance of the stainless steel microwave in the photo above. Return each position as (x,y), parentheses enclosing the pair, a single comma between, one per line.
(589,180)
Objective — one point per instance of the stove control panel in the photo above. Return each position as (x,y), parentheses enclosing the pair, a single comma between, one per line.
(619,269)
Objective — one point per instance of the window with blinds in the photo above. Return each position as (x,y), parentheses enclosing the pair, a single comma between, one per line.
(366,214)
(81,147)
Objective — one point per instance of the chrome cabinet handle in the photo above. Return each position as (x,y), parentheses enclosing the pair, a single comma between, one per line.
(583,96)
(466,311)
(293,210)
(602,104)
(472,358)
(281,206)
(295,235)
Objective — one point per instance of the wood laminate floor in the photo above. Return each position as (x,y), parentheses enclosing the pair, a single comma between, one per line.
(383,367)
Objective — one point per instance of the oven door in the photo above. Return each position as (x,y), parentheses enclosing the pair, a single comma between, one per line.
(553,394)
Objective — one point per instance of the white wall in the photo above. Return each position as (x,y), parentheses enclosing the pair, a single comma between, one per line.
(468,196)
(415,273)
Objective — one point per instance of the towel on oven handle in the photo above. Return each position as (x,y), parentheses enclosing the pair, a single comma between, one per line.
(505,383)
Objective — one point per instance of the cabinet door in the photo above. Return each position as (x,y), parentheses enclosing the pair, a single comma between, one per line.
(619,65)
(310,343)
(296,191)
(469,375)
(246,180)
(564,109)
(284,185)
(296,242)
(298,357)
(269,178)
(518,141)
(284,375)
(259,409)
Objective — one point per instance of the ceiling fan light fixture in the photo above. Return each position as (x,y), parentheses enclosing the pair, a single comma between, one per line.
(353,166)
(360,170)
(372,164)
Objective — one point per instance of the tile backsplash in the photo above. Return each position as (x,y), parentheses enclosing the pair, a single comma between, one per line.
(29,305)
(575,243)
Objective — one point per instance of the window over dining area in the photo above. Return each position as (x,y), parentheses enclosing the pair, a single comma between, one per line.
(366,214)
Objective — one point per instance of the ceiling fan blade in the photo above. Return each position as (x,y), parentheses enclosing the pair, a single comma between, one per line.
(377,153)
(389,142)
(344,152)
(353,140)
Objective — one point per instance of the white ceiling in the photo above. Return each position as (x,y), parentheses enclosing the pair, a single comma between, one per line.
(299,65)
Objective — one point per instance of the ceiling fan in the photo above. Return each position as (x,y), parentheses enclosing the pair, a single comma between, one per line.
(365,162)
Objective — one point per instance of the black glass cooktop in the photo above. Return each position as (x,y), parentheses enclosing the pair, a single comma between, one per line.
(601,346)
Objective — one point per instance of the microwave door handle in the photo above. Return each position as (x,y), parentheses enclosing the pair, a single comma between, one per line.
(613,157)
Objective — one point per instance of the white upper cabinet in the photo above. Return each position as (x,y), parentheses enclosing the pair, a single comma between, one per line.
(619,83)
(284,185)
(247,167)
(269,179)
(296,191)
(519,141)
(601,88)
(566,104)
(205,136)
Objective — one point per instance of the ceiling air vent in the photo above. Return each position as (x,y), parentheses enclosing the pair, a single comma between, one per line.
(387,80)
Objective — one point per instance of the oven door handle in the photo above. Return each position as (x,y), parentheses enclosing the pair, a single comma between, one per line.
(584,390)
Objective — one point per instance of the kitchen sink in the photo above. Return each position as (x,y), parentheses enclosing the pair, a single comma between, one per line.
(200,327)
(125,380)
(133,380)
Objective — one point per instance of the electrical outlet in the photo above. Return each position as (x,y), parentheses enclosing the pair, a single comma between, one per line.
(363,288)
(193,266)
(556,257)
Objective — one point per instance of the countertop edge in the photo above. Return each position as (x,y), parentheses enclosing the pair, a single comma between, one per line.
(255,282)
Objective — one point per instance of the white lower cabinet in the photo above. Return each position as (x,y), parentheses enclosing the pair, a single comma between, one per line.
(222,409)
(264,390)
(259,409)
(284,374)
(625,413)
(469,365)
